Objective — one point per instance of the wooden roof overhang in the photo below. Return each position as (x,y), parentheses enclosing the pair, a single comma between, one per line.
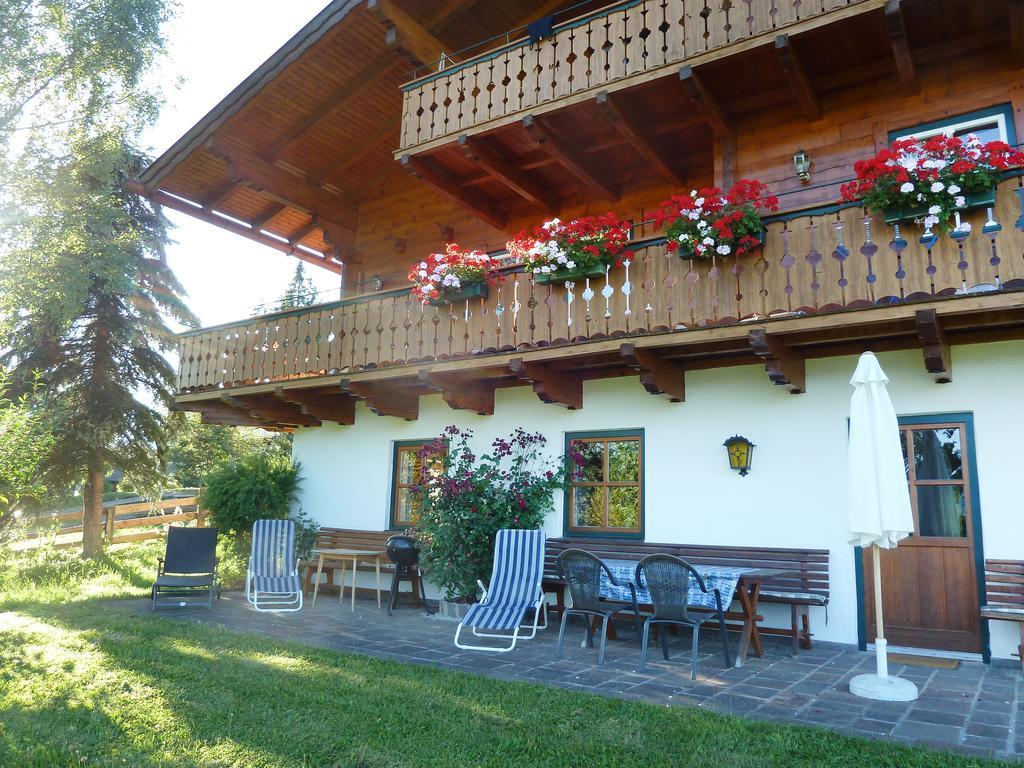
(556,372)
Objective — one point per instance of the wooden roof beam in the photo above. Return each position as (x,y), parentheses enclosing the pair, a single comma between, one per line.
(348,159)
(704,102)
(901,47)
(337,407)
(783,364)
(402,403)
(1017,33)
(220,194)
(513,178)
(796,75)
(938,360)
(658,376)
(550,384)
(424,171)
(637,137)
(461,392)
(272,412)
(219,419)
(405,33)
(569,156)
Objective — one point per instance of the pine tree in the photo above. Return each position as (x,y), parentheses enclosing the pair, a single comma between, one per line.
(301,291)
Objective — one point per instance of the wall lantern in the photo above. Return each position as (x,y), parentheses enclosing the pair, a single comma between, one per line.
(376,283)
(802,165)
(741,453)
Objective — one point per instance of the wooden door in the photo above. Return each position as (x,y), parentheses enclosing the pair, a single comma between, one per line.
(929,582)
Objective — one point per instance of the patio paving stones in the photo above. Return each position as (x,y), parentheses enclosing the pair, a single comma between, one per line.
(973,709)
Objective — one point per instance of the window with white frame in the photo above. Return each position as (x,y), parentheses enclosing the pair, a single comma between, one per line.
(991,125)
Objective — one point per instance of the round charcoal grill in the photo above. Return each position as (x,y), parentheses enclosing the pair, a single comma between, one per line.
(405,554)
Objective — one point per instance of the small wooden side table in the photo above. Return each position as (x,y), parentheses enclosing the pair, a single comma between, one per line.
(344,555)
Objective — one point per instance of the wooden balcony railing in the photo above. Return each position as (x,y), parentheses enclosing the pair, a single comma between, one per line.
(627,42)
(824,262)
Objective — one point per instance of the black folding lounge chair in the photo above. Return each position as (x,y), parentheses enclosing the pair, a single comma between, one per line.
(188,568)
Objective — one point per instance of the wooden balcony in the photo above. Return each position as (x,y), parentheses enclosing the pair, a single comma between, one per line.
(626,44)
(830,282)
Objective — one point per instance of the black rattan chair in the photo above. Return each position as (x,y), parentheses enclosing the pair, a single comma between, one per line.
(188,568)
(667,578)
(582,573)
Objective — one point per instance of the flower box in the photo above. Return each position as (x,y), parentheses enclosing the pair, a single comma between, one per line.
(981,199)
(570,275)
(453,295)
(686,255)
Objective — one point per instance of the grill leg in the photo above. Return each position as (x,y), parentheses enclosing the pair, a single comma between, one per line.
(393,597)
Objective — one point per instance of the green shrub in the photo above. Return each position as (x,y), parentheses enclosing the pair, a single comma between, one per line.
(256,487)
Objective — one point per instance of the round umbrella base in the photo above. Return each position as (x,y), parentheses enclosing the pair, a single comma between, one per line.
(883,688)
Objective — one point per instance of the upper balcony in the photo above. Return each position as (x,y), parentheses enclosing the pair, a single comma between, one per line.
(624,45)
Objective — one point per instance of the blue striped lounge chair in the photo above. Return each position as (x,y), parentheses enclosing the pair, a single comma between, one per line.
(515,589)
(273,583)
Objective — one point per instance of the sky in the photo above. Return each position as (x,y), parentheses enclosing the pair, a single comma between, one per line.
(213,46)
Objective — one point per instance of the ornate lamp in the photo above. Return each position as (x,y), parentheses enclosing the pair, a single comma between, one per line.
(802,165)
(741,453)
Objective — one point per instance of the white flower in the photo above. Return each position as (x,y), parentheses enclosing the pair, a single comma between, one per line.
(920,196)
(937,186)
(702,225)
(931,221)
(693,193)
(723,250)
(423,273)
(561,258)
(952,189)
(909,162)
(693,215)
(570,264)
(906,187)
(936,163)
(428,287)
(699,201)
(934,210)
(536,270)
(683,237)
(708,241)
(965,226)
(545,269)
(960,201)
(423,265)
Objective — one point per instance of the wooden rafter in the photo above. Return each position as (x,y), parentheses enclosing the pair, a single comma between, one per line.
(273,412)
(304,232)
(550,384)
(347,159)
(783,364)
(513,178)
(796,75)
(428,173)
(336,407)
(462,392)
(658,376)
(704,102)
(901,47)
(637,137)
(937,358)
(568,155)
(400,402)
(220,194)
(1017,33)
(271,213)
(239,419)
(405,33)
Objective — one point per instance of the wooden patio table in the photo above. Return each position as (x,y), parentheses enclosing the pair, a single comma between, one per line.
(748,594)
(343,555)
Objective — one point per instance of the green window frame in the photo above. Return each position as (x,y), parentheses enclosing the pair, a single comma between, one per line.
(402,510)
(1000,114)
(604,483)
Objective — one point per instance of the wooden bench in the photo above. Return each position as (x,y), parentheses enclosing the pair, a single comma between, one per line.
(1004,595)
(806,586)
(343,538)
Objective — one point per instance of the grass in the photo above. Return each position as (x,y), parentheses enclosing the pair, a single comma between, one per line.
(83,682)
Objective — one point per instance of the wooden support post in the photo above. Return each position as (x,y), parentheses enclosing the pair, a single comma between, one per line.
(513,178)
(704,102)
(319,404)
(799,83)
(462,392)
(551,385)
(937,358)
(485,209)
(569,156)
(384,400)
(784,365)
(725,160)
(109,513)
(659,377)
(901,47)
(636,136)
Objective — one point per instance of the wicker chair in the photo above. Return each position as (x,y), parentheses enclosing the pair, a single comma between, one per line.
(582,573)
(667,578)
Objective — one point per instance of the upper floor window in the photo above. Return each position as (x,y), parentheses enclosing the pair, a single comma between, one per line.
(606,488)
(409,469)
(992,124)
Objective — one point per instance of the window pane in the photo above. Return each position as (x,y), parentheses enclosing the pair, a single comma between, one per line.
(985,132)
(588,507)
(941,511)
(592,469)
(624,461)
(407,506)
(624,507)
(409,464)
(937,454)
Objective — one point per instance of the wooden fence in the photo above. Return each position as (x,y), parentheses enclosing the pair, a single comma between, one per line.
(145,520)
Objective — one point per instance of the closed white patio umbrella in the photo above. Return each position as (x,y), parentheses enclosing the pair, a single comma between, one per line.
(879,504)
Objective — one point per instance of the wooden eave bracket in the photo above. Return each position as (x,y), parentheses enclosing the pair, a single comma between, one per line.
(550,384)
(424,171)
(461,392)
(402,403)
(494,165)
(901,47)
(636,136)
(658,376)
(705,103)
(275,413)
(338,408)
(783,364)
(404,34)
(796,75)
(938,360)
(570,157)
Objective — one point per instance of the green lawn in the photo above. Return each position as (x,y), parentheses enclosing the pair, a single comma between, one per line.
(86,683)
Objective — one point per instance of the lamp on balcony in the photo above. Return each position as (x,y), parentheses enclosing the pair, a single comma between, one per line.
(741,453)
(802,165)
(376,283)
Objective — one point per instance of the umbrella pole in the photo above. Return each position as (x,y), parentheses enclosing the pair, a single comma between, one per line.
(880,654)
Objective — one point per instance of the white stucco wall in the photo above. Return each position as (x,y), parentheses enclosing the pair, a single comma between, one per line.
(794,495)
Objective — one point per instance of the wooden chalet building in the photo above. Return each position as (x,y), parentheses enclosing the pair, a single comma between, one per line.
(386,128)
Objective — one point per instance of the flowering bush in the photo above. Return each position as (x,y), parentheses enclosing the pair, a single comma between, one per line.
(557,246)
(932,176)
(467,499)
(707,222)
(444,273)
